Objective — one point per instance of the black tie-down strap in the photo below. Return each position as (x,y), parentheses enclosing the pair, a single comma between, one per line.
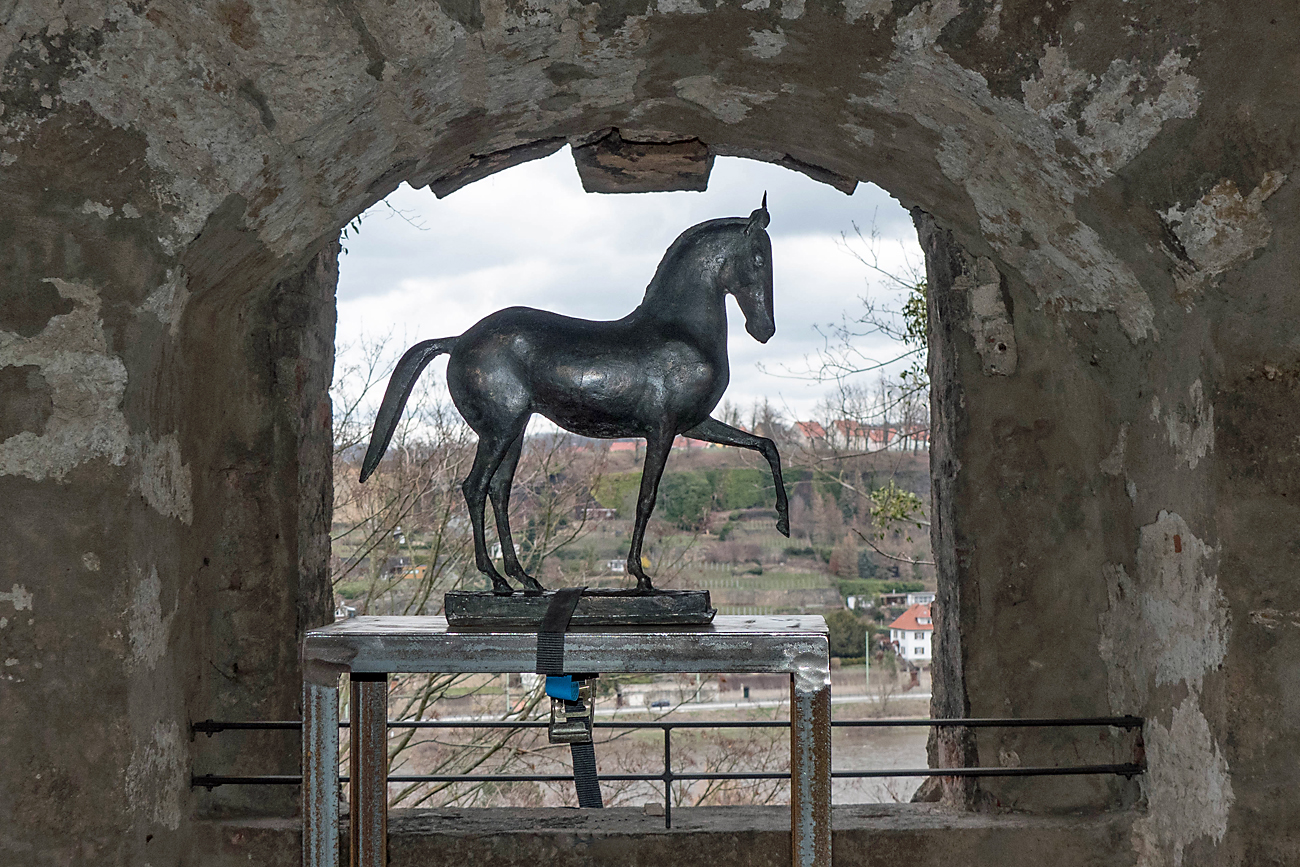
(584,775)
(550,662)
(550,635)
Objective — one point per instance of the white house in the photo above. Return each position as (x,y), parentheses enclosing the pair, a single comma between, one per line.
(911,633)
(923,597)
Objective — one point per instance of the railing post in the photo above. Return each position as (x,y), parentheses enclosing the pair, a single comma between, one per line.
(810,768)
(368,770)
(320,774)
(668,776)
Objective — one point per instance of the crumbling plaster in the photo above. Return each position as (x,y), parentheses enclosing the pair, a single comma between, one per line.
(175,174)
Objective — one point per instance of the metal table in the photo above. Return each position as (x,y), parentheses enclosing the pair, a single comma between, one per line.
(371,648)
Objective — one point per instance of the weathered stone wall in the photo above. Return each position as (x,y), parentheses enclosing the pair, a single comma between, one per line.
(1114,524)
(1109,183)
(864,836)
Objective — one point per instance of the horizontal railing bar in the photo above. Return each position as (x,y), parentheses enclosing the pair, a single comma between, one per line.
(212,727)
(1127,769)
(1122,722)
(210,781)
(1125,722)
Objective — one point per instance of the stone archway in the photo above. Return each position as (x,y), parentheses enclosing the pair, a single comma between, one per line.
(1100,200)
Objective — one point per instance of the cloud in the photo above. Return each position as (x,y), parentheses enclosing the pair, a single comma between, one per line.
(420,267)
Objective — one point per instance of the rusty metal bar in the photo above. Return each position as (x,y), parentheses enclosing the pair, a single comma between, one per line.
(211,727)
(810,767)
(426,645)
(216,727)
(1125,769)
(368,777)
(320,772)
(668,776)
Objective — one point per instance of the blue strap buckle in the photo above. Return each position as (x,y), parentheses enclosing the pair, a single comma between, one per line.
(563,687)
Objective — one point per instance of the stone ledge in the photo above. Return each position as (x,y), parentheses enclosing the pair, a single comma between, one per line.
(916,835)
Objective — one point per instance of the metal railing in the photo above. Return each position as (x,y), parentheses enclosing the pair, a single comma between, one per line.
(668,776)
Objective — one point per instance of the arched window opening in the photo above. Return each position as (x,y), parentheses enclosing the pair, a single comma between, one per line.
(841,388)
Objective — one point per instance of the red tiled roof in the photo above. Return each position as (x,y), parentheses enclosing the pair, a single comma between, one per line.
(907,620)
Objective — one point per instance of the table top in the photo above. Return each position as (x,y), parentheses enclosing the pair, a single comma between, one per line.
(794,644)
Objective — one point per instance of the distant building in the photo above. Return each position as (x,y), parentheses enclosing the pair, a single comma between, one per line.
(594,512)
(911,633)
(688,443)
(922,597)
(415,573)
(856,436)
(810,432)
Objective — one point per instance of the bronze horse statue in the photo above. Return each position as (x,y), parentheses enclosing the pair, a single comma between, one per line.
(656,373)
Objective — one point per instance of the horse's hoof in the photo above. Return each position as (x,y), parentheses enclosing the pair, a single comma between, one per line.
(501,588)
(530,585)
(644,588)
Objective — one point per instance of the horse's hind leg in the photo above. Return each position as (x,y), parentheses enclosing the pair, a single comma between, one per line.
(499,492)
(714,431)
(492,447)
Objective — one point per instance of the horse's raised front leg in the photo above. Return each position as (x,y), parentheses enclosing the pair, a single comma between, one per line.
(714,431)
(491,449)
(499,492)
(656,456)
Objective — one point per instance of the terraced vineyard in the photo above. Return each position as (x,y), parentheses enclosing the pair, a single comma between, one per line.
(766,581)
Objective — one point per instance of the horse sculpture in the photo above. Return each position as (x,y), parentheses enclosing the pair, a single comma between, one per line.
(656,373)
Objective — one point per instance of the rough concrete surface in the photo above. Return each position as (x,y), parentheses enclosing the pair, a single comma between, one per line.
(1107,188)
(917,835)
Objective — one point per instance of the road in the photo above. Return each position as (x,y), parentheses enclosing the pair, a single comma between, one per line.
(711,706)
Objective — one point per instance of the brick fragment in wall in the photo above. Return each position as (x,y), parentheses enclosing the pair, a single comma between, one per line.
(613,165)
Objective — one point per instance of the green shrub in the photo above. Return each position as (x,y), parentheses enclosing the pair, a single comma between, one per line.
(739,488)
(352,589)
(684,499)
(613,490)
(873,588)
(848,634)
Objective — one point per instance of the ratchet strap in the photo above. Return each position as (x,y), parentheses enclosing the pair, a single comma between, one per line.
(584,775)
(550,635)
(562,687)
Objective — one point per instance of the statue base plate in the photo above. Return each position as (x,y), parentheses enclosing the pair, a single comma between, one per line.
(595,608)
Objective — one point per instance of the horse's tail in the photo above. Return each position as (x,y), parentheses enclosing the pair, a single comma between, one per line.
(399,389)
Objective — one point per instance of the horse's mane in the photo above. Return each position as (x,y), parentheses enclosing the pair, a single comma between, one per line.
(679,249)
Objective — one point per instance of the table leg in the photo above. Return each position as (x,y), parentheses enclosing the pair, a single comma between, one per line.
(810,770)
(368,770)
(320,775)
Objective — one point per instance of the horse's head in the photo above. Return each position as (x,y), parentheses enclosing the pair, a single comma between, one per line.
(751,275)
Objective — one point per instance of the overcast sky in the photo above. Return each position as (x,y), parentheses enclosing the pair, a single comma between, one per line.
(530,236)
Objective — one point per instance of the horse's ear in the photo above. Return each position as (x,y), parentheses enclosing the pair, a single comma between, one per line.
(760,218)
